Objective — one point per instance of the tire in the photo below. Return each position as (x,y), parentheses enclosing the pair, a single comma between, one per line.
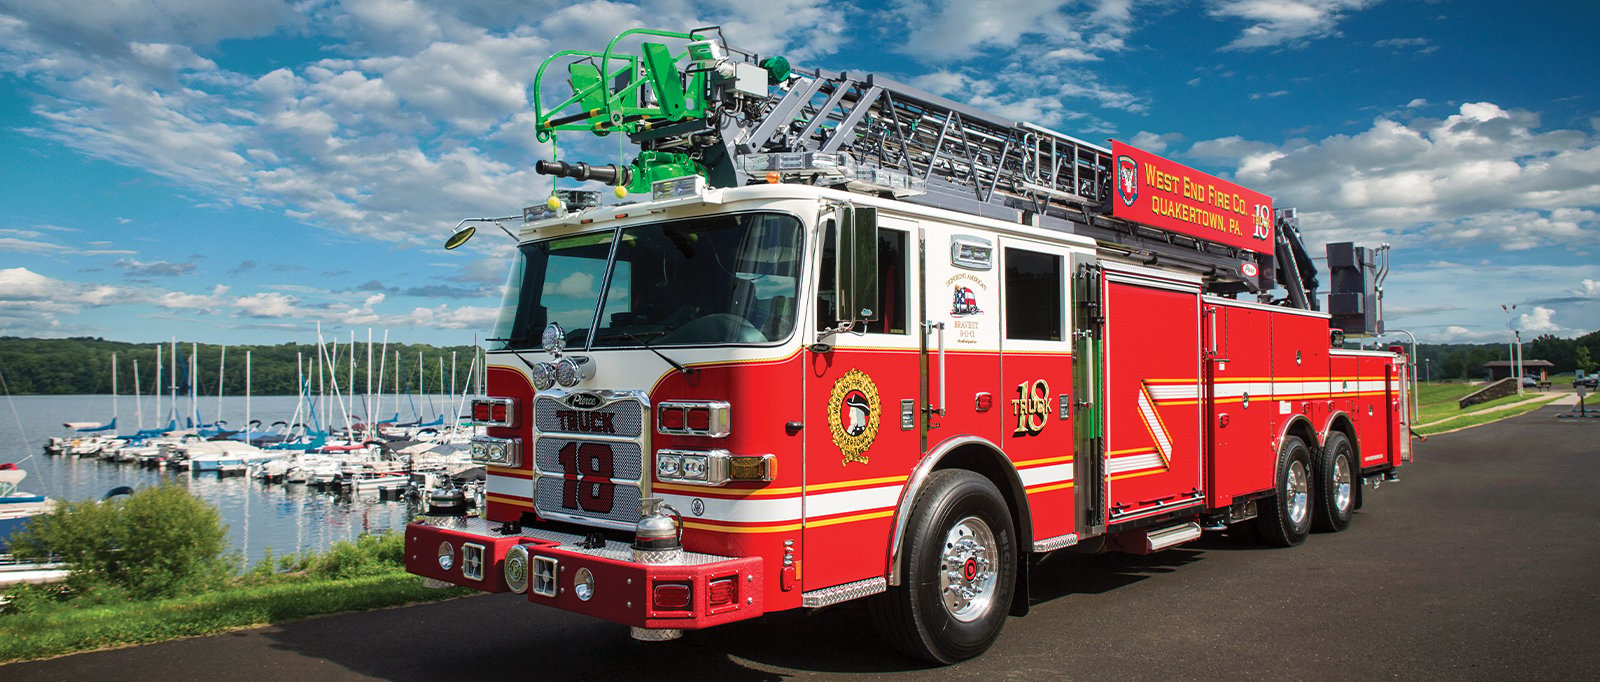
(958,571)
(1286,519)
(1337,484)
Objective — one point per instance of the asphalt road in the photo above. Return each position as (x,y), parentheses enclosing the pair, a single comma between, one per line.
(1482,563)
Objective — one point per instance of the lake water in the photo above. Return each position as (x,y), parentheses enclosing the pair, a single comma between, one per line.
(286,518)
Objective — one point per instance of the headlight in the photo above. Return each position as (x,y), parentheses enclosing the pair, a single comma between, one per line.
(496,451)
(544,376)
(447,556)
(695,467)
(515,568)
(669,466)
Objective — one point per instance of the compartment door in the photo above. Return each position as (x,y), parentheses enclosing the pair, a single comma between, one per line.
(1152,384)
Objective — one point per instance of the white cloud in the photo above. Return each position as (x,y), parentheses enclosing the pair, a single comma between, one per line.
(1589,288)
(268,304)
(1540,321)
(1154,142)
(1272,23)
(1483,176)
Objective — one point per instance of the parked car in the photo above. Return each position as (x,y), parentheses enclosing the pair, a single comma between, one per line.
(1589,382)
(1530,382)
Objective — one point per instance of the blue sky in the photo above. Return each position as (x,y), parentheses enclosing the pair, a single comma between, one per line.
(238,172)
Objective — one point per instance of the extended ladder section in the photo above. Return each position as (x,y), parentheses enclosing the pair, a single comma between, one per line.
(737,119)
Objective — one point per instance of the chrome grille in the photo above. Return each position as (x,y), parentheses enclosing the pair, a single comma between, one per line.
(627,460)
(623,513)
(590,432)
(625,416)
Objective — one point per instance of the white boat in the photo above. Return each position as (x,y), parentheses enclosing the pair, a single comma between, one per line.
(16,508)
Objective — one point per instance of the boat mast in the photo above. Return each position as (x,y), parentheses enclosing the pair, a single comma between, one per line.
(138,397)
(222,368)
(194,376)
(172,383)
(383,362)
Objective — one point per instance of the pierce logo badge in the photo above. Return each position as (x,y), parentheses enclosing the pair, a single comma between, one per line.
(584,401)
(853,411)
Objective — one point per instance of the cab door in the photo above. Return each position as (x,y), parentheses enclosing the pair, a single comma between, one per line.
(1037,382)
(861,404)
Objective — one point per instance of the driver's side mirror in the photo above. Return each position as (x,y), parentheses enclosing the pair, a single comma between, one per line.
(857,264)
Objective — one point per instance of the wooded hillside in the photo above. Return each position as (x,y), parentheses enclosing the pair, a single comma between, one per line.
(83,365)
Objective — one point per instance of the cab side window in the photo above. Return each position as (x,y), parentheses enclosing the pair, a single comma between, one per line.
(892,282)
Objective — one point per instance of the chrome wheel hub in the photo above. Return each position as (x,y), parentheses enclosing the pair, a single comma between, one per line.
(1341,482)
(967,569)
(1297,488)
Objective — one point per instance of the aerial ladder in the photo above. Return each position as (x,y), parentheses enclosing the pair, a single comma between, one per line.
(706,109)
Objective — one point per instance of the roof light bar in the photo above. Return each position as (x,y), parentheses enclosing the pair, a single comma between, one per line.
(832,168)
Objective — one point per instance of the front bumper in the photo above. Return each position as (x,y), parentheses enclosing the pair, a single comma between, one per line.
(720,589)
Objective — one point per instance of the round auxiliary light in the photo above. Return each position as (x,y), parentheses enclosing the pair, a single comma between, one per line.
(515,567)
(554,339)
(571,370)
(544,376)
(583,584)
(447,556)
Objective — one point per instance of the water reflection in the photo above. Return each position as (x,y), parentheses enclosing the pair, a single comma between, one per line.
(288,518)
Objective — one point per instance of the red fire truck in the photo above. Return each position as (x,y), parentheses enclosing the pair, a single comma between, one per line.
(844,339)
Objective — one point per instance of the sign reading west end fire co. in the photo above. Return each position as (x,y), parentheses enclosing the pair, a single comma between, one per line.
(1171,196)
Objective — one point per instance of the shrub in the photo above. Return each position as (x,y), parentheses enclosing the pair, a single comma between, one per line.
(375,554)
(158,542)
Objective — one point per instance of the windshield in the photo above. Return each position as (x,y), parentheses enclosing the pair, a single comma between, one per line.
(727,279)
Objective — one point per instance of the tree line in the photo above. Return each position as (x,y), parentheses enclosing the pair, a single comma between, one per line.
(83,366)
(1459,361)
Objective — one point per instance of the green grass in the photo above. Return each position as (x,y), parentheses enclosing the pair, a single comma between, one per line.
(1441,410)
(70,628)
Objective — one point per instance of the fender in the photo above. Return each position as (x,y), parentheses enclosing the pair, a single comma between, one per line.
(1333,420)
(1316,436)
(908,495)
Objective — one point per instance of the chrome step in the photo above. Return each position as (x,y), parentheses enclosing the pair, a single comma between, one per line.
(1172,535)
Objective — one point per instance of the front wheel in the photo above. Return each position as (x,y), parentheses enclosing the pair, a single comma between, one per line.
(958,571)
(1286,520)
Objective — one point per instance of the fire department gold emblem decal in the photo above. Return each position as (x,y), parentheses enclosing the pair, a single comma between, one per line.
(853,415)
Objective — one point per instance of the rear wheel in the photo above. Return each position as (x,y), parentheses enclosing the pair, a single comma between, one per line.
(1285,518)
(1337,486)
(958,571)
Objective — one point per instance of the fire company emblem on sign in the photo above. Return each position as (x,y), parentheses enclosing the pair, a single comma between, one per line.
(853,415)
(1128,177)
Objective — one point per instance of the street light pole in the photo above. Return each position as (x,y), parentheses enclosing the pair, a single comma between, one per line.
(1511,349)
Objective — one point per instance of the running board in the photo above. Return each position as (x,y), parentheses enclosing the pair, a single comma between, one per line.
(1158,540)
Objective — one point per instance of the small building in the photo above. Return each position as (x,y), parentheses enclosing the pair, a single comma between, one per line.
(1500,369)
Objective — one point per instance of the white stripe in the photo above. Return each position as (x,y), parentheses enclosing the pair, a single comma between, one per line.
(748,510)
(1055,473)
(1134,463)
(759,510)
(1165,392)
(508,485)
(1163,442)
